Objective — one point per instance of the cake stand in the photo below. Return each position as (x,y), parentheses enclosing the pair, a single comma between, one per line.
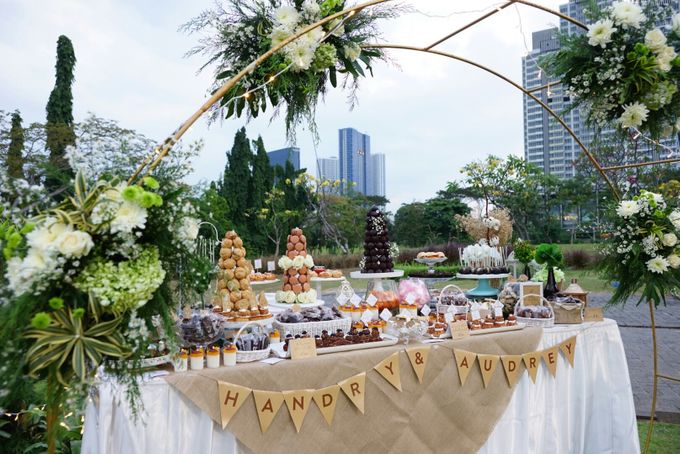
(431,263)
(376,276)
(483,289)
(382,288)
(271,281)
(318,281)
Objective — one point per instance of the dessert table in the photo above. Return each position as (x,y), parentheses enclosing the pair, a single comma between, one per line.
(587,408)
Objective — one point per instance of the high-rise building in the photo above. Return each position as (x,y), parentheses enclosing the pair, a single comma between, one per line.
(328,168)
(546,143)
(281,156)
(378,174)
(354,157)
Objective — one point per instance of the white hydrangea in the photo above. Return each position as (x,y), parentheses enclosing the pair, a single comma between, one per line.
(600,33)
(628,208)
(23,274)
(628,14)
(634,114)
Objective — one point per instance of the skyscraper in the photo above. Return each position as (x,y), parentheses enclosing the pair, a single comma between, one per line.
(354,157)
(378,174)
(546,143)
(328,168)
(279,157)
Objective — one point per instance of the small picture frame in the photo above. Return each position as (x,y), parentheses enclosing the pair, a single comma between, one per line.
(533,291)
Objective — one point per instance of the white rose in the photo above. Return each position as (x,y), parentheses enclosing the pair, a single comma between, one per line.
(74,243)
(675,24)
(309,261)
(280,296)
(285,262)
(600,33)
(674,217)
(298,262)
(655,40)
(669,240)
(289,297)
(674,261)
(45,237)
(628,208)
(664,58)
(302,298)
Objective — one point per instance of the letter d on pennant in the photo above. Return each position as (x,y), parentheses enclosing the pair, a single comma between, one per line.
(326,399)
(231,399)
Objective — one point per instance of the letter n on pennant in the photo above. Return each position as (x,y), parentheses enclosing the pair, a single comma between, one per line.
(298,403)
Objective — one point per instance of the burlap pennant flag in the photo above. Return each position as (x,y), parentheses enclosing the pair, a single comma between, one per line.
(532,361)
(389,369)
(464,362)
(487,365)
(568,348)
(355,388)
(267,404)
(550,359)
(418,357)
(326,399)
(298,403)
(231,399)
(512,365)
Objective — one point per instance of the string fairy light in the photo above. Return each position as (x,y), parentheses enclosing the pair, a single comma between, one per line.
(637,134)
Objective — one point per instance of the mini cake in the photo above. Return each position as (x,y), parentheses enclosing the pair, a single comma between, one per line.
(488,324)
(182,361)
(377,255)
(196,359)
(274,337)
(213,357)
(512,320)
(476,324)
(229,355)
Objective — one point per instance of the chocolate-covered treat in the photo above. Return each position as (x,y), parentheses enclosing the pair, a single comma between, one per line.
(377,257)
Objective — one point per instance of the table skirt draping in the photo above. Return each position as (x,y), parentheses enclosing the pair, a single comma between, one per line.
(585,409)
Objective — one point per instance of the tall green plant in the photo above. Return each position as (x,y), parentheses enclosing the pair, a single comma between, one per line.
(59,126)
(237,178)
(15,159)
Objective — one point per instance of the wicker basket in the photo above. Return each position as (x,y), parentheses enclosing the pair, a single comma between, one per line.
(541,322)
(313,328)
(251,355)
(568,313)
(444,308)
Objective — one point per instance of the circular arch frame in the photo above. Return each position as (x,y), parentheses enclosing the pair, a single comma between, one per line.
(153,159)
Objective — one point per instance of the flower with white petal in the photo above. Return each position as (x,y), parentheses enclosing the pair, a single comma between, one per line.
(312,295)
(664,58)
(45,236)
(285,262)
(287,17)
(600,33)
(634,114)
(300,53)
(189,229)
(628,208)
(669,239)
(340,30)
(128,217)
(658,265)
(311,10)
(655,40)
(309,261)
(289,297)
(278,35)
(675,24)
(74,243)
(674,261)
(351,51)
(298,262)
(674,217)
(628,14)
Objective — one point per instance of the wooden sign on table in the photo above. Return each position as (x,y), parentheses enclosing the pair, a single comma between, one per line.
(593,314)
(530,293)
(302,348)
(459,329)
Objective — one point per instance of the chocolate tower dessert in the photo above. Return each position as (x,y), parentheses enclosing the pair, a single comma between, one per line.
(377,257)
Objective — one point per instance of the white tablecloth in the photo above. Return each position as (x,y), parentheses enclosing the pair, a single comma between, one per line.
(585,409)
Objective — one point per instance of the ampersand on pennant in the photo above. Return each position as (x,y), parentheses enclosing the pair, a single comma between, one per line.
(419,358)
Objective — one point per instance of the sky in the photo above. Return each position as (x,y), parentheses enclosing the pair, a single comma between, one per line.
(430,115)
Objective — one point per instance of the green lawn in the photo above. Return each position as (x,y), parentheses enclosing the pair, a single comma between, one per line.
(666,437)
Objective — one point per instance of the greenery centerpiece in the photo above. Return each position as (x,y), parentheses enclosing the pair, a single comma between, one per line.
(625,69)
(550,256)
(298,74)
(524,253)
(643,251)
(89,282)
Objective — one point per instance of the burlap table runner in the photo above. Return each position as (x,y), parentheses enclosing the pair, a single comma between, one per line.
(436,416)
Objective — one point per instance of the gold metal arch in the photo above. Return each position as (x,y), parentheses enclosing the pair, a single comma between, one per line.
(154,159)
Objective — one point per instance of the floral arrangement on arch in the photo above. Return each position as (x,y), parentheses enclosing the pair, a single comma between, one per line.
(493,228)
(298,74)
(643,252)
(625,69)
(90,281)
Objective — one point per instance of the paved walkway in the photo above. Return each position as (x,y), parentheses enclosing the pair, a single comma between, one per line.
(634,322)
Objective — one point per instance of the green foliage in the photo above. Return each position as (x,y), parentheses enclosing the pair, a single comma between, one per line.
(59,125)
(237,178)
(549,255)
(15,160)
(524,251)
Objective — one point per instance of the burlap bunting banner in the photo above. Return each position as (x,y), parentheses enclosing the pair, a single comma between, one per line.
(298,402)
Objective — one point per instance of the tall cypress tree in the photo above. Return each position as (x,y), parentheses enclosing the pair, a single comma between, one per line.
(263,176)
(237,178)
(59,126)
(15,159)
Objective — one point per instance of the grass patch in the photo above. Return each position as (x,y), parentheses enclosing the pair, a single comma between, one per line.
(665,439)
(589,247)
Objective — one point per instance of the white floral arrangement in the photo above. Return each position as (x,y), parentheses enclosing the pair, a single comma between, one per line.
(289,297)
(643,253)
(481,255)
(298,262)
(622,68)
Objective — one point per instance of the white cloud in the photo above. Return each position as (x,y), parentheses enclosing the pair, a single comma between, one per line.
(430,116)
